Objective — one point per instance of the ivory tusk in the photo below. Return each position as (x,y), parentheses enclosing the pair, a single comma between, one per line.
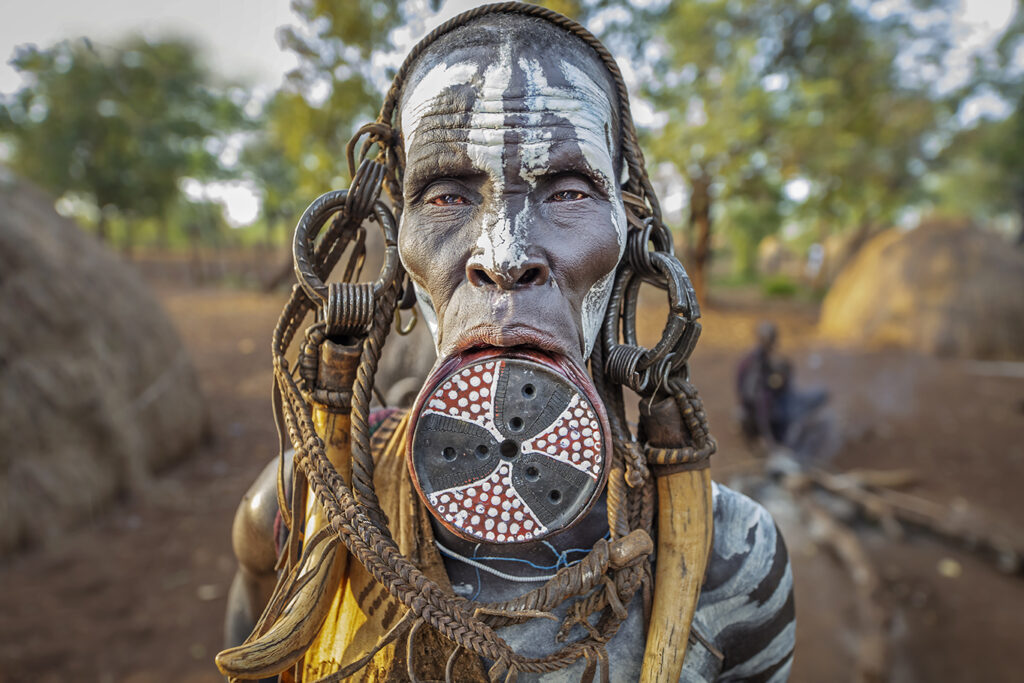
(685,526)
(288,638)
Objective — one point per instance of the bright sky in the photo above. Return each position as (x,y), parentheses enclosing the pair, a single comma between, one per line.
(239,36)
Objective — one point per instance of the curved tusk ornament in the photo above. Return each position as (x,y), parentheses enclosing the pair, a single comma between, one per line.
(685,529)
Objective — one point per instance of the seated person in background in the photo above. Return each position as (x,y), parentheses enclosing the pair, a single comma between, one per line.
(773,413)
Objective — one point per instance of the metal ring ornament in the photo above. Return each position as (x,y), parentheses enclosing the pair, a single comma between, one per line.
(681,329)
(310,225)
(683,309)
(405,330)
(653,230)
(629,362)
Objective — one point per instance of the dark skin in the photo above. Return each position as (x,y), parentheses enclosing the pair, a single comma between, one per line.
(513,223)
(512,226)
(509,233)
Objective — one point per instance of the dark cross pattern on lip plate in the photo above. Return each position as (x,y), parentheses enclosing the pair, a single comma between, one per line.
(507,450)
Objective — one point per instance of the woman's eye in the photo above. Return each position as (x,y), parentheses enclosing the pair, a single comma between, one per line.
(448,200)
(568,196)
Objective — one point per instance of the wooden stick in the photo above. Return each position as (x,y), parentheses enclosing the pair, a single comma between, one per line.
(288,638)
(960,525)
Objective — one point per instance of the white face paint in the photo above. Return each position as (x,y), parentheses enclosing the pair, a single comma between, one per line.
(502,242)
(426,306)
(595,148)
(427,90)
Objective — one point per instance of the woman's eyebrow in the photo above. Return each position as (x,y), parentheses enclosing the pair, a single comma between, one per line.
(571,161)
(424,167)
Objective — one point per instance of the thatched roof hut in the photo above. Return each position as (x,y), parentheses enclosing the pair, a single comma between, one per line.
(96,391)
(945,288)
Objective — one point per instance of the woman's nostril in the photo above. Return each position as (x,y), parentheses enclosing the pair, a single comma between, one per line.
(506,277)
(481,278)
(529,276)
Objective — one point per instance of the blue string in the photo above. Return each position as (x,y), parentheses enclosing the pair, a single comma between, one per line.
(561,560)
(561,557)
(479,585)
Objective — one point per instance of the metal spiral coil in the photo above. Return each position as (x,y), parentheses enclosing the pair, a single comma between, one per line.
(621,366)
(349,308)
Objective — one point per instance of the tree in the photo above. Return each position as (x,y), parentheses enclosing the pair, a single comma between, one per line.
(336,87)
(983,167)
(983,171)
(118,127)
(299,151)
(761,92)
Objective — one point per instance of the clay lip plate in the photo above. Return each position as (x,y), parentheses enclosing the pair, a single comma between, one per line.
(508,478)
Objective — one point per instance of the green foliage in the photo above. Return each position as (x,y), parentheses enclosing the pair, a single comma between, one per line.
(982,172)
(762,92)
(751,95)
(748,220)
(117,127)
(778,286)
(299,152)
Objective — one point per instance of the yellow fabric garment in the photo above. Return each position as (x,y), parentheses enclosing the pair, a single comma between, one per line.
(363,610)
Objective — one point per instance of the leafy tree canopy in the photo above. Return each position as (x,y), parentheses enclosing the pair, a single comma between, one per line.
(117,126)
(758,93)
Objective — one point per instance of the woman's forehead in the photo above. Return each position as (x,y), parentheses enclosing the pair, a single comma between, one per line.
(530,86)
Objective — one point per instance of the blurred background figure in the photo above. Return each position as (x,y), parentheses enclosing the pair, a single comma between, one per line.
(774,414)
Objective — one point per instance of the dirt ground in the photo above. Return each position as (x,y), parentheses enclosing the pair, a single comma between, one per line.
(137,593)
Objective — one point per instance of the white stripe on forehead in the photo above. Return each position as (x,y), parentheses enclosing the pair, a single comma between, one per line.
(534,157)
(439,79)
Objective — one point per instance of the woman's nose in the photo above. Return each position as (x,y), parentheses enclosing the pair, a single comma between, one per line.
(532,271)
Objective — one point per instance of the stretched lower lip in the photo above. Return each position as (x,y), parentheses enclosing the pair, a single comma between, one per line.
(557,362)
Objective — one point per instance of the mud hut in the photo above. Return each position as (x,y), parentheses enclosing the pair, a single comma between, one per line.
(945,288)
(96,390)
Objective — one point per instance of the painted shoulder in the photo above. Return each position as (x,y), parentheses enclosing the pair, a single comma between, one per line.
(746,605)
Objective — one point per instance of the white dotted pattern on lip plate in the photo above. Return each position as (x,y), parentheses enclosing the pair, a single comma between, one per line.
(573,438)
(489,509)
(469,395)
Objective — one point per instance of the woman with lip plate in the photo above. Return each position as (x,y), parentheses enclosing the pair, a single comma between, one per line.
(518,166)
